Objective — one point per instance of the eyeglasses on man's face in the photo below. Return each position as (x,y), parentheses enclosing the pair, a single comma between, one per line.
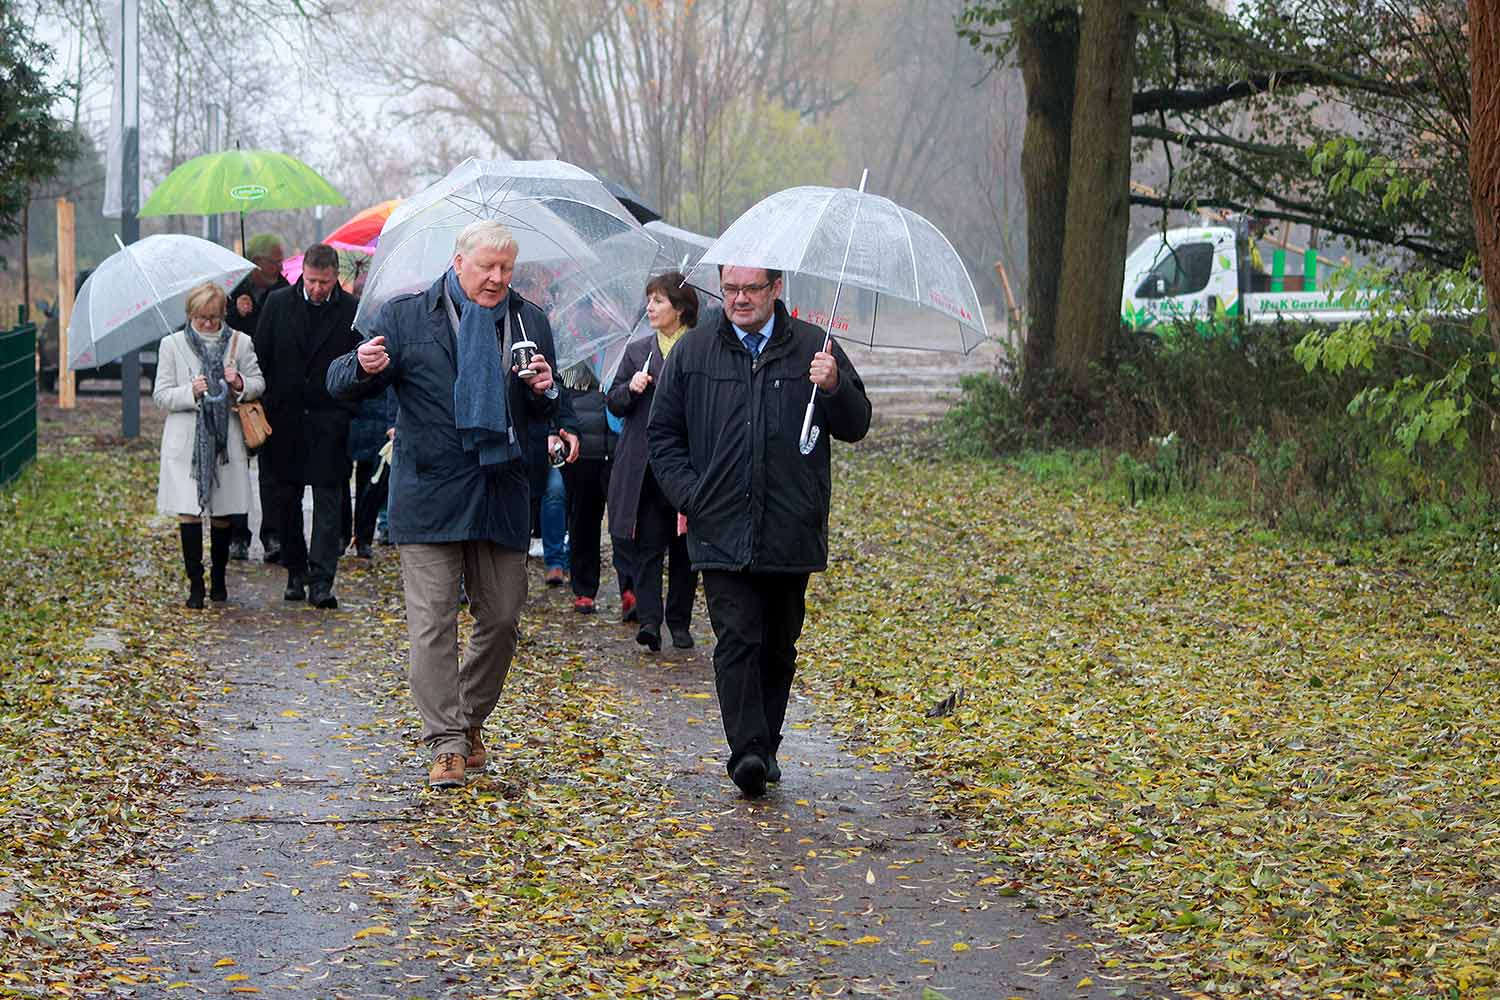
(732,292)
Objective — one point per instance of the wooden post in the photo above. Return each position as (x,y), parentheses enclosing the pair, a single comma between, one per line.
(67,277)
(1012,314)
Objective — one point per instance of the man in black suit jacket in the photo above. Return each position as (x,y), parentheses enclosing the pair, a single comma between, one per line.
(302,329)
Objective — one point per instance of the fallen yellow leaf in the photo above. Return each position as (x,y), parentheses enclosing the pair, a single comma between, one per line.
(376,931)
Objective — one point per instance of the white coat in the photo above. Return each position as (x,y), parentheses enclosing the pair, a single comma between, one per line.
(177,491)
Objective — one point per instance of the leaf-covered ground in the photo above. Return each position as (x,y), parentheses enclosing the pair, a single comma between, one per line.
(1270,770)
(1256,768)
(92,669)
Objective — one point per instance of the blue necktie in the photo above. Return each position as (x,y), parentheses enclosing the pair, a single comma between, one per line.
(752,343)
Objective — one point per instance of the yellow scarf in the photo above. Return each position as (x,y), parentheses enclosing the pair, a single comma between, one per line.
(666,343)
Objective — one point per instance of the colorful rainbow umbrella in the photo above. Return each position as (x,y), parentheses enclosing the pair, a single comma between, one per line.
(365,226)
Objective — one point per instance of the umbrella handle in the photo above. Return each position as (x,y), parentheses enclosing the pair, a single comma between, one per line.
(809,439)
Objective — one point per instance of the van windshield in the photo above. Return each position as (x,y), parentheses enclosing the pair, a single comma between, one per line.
(1183,270)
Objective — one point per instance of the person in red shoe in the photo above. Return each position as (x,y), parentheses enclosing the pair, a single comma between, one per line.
(586,475)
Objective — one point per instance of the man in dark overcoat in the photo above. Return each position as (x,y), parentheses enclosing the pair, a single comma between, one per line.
(302,329)
(246,302)
(724,440)
(460,504)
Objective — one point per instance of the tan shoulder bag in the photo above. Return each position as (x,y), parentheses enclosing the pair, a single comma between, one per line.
(252,412)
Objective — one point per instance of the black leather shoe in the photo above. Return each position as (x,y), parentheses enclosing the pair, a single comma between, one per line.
(363,550)
(750,775)
(682,640)
(239,551)
(296,590)
(273,553)
(773,771)
(322,597)
(650,637)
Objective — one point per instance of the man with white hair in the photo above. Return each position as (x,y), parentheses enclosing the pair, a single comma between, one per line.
(460,506)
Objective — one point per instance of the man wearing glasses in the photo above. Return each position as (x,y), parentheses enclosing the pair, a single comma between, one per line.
(724,447)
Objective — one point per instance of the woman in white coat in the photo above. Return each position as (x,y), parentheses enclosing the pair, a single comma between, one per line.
(202,371)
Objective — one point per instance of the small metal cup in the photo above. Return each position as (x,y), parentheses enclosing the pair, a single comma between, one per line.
(521,354)
(559,455)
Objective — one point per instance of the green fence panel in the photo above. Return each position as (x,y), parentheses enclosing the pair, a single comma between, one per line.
(17,400)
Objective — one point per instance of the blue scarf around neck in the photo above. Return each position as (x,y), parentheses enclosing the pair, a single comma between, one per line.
(481,400)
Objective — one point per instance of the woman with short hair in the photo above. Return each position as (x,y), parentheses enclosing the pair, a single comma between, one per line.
(638,510)
(202,371)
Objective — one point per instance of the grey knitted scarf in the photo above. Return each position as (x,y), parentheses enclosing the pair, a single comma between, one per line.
(211,437)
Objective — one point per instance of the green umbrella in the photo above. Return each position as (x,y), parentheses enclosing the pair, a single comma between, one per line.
(240,180)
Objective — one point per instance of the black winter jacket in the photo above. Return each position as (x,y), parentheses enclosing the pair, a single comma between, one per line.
(724,446)
(258,296)
(595,440)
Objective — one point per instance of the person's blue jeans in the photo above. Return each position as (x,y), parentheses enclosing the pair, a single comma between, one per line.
(555,522)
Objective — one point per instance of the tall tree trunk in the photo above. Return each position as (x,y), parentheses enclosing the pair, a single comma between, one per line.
(1484,146)
(1098,215)
(1048,53)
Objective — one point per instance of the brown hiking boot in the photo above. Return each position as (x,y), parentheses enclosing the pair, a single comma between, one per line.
(447,771)
(477,757)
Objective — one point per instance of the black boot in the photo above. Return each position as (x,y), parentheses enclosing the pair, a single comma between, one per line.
(192,561)
(218,556)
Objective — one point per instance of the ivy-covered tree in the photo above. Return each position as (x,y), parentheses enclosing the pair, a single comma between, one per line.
(33,144)
(1236,102)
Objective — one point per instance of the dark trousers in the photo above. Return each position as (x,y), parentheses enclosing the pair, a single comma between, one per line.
(369,498)
(757,619)
(317,563)
(623,557)
(239,524)
(587,484)
(346,518)
(657,541)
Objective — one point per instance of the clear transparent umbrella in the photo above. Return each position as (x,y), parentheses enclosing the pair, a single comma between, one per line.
(582,257)
(135,297)
(860,266)
(680,250)
(903,283)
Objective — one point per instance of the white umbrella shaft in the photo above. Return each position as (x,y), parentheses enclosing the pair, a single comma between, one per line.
(806,442)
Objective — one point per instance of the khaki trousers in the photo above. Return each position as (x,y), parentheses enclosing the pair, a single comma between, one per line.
(453,697)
